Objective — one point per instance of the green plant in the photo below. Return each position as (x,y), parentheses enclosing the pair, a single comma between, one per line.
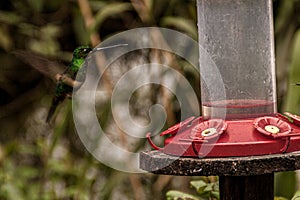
(206,189)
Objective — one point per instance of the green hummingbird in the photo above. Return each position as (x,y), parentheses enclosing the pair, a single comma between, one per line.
(62,89)
(66,79)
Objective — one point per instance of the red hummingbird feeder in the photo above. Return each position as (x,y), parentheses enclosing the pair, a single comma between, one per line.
(238,87)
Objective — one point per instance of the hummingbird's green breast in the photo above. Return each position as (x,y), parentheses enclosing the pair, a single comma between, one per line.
(76,65)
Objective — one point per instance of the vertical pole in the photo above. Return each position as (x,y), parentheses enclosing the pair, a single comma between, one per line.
(259,187)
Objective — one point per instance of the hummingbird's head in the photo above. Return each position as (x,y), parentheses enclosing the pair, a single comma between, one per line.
(82,52)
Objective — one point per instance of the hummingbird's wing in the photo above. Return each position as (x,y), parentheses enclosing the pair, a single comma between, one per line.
(46,67)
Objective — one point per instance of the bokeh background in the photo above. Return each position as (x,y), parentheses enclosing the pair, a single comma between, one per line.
(48,161)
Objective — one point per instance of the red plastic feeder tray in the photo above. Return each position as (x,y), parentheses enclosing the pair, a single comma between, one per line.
(224,138)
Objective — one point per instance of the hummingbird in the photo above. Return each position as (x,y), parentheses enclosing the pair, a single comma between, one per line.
(63,89)
(65,80)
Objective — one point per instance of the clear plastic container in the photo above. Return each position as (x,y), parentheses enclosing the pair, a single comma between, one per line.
(237,37)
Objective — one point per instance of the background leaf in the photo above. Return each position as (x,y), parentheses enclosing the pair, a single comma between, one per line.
(176,195)
(182,24)
(109,10)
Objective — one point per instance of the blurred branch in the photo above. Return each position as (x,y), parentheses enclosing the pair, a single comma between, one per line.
(168,60)
(137,187)
(161,182)
(86,12)
(180,23)
(107,11)
(89,20)
(143,9)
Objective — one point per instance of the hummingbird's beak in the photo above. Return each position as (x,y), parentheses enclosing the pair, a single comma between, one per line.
(109,47)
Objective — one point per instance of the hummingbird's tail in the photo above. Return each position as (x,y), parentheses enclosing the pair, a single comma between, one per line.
(55,102)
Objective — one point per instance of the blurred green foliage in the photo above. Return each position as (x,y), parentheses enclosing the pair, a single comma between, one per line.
(206,188)
(38,161)
(41,161)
